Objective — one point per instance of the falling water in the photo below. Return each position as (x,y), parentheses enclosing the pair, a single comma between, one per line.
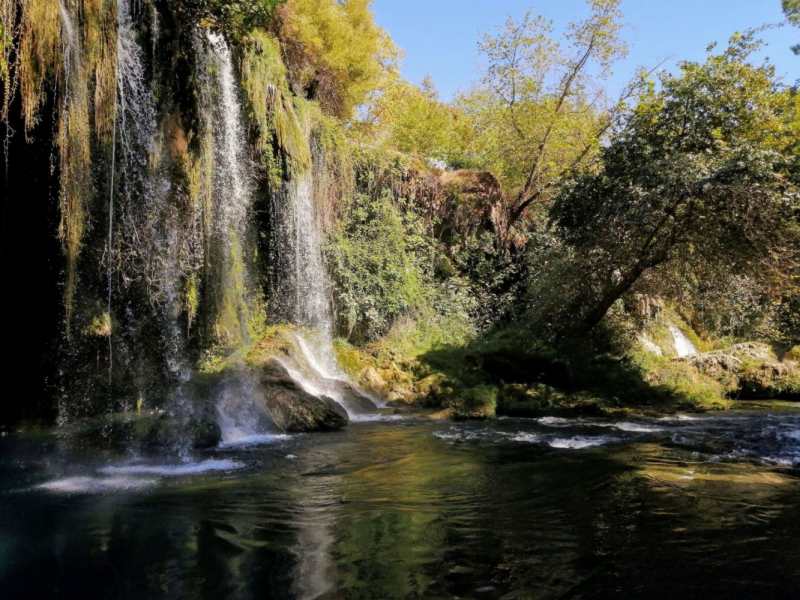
(305,291)
(232,170)
(111,181)
(683,345)
(71,50)
(149,228)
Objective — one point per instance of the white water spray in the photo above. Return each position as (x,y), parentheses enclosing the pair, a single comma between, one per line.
(683,345)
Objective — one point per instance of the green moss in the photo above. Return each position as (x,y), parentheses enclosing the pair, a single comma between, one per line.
(478,402)
(281,119)
(683,384)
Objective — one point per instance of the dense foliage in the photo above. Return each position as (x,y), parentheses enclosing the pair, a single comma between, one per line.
(703,166)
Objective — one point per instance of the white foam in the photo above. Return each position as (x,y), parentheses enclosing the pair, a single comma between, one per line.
(554,421)
(526,437)
(93,485)
(636,427)
(169,470)
(795,435)
(363,418)
(578,442)
(253,439)
(679,418)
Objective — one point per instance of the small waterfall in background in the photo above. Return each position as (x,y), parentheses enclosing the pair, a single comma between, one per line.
(683,345)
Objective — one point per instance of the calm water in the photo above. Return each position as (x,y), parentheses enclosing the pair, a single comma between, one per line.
(687,507)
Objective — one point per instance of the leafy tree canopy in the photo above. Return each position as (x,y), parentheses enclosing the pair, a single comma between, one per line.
(704,166)
(537,109)
(334,51)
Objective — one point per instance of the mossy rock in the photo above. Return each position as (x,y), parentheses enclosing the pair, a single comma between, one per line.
(793,354)
(517,400)
(685,385)
(430,390)
(769,379)
(479,402)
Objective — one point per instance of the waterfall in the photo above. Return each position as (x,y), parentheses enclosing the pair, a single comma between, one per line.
(71,49)
(304,290)
(683,345)
(232,170)
(112,178)
(232,192)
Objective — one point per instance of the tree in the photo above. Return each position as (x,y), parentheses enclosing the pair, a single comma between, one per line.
(791,9)
(703,167)
(334,51)
(537,108)
(411,119)
(233,18)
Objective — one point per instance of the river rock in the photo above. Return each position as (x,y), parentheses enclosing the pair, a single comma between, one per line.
(354,399)
(292,408)
(198,429)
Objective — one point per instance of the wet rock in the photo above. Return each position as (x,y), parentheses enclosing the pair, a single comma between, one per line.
(292,408)
(197,429)
(354,399)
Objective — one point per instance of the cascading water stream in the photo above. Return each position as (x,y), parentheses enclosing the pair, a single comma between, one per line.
(683,345)
(111,184)
(307,288)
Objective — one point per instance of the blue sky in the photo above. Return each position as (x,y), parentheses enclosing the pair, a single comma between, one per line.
(440,36)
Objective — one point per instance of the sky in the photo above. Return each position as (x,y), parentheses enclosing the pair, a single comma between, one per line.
(440,37)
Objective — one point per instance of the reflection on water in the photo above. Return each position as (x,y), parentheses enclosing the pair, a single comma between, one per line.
(684,507)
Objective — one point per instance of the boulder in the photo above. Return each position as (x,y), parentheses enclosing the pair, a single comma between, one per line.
(291,407)
(197,429)
(372,380)
(752,351)
(297,411)
(351,397)
(769,379)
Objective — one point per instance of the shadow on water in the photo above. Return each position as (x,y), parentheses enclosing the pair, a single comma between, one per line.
(405,510)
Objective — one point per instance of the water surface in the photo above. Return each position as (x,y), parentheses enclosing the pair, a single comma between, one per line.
(681,507)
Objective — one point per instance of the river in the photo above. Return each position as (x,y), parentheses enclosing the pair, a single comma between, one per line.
(685,506)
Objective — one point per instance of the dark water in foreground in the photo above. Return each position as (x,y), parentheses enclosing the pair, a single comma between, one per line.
(672,508)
